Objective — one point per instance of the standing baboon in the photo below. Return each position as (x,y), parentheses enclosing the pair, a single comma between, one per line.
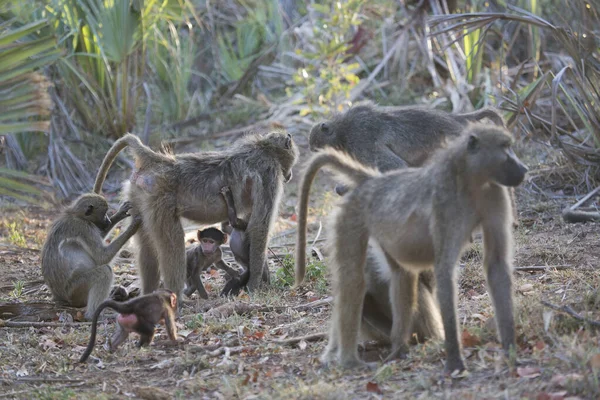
(187,185)
(421,218)
(139,315)
(75,261)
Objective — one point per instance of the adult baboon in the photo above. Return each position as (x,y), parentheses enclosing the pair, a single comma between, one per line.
(75,261)
(422,218)
(187,185)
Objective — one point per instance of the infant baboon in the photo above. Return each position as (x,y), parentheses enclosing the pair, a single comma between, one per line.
(187,185)
(201,256)
(138,315)
(421,218)
(75,261)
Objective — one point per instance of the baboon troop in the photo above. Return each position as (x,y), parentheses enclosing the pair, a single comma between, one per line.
(415,184)
(421,218)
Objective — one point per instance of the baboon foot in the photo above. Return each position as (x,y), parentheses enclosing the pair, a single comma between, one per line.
(189,291)
(455,368)
(119,293)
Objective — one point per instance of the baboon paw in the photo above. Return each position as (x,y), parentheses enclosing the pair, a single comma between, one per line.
(456,369)
(225,189)
(356,363)
(125,207)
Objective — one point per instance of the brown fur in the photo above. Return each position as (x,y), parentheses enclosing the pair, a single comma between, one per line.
(421,218)
(149,310)
(187,185)
(75,261)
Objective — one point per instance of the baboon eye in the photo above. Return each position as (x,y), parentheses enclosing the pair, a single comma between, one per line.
(288,142)
(324,127)
(473,143)
(89,210)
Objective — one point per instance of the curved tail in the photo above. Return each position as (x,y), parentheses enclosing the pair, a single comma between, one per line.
(120,144)
(350,171)
(107,303)
(487,112)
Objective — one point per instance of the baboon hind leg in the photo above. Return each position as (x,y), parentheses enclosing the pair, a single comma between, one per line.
(169,238)
(90,286)
(349,287)
(147,261)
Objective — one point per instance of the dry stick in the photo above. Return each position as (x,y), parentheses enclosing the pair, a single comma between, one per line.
(541,267)
(308,338)
(28,324)
(40,379)
(572,313)
(589,216)
(228,309)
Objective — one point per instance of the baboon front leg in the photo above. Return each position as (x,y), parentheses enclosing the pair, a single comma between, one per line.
(445,275)
(258,254)
(120,215)
(497,262)
(403,299)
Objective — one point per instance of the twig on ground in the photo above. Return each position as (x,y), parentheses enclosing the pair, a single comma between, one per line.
(39,379)
(31,324)
(307,338)
(228,309)
(541,267)
(572,313)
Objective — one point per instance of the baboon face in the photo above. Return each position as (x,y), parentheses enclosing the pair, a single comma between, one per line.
(287,151)
(494,157)
(321,135)
(210,239)
(93,208)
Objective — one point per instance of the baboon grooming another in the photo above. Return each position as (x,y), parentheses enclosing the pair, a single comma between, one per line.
(421,218)
(75,261)
(187,185)
(138,315)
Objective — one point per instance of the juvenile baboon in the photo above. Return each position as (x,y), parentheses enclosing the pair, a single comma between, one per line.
(138,315)
(75,261)
(187,185)
(201,256)
(421,218)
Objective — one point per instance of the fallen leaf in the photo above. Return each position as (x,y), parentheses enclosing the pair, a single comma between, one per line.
(551,396)
(547,316)
(528,372)
(302,345)
(539,345)
(22,372)
(373,387)
(469,340)
(595,361)
(294,217)
(152,393)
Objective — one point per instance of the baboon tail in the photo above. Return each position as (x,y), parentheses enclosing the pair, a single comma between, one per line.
(350,170)
(92,342)
(120,144)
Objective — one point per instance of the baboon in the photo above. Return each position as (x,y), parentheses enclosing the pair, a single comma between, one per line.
(393,137)
(421,218)
(75,261)
(187,185)
(138,315)
(200,257)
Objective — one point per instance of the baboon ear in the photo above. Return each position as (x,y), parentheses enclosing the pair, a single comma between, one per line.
(473,143)
(173,300)
(225,238)
(89,210)
(288,141)
(199,234)
(324,127)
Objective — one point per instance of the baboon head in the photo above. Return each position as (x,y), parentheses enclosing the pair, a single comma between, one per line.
(91,207)
(490,156)
(334,132)
(210,239)
(284,149)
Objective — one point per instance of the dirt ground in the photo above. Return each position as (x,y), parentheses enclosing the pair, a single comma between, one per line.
(233,351)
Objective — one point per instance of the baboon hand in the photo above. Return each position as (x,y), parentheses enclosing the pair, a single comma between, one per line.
(125,207)
(225,190)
